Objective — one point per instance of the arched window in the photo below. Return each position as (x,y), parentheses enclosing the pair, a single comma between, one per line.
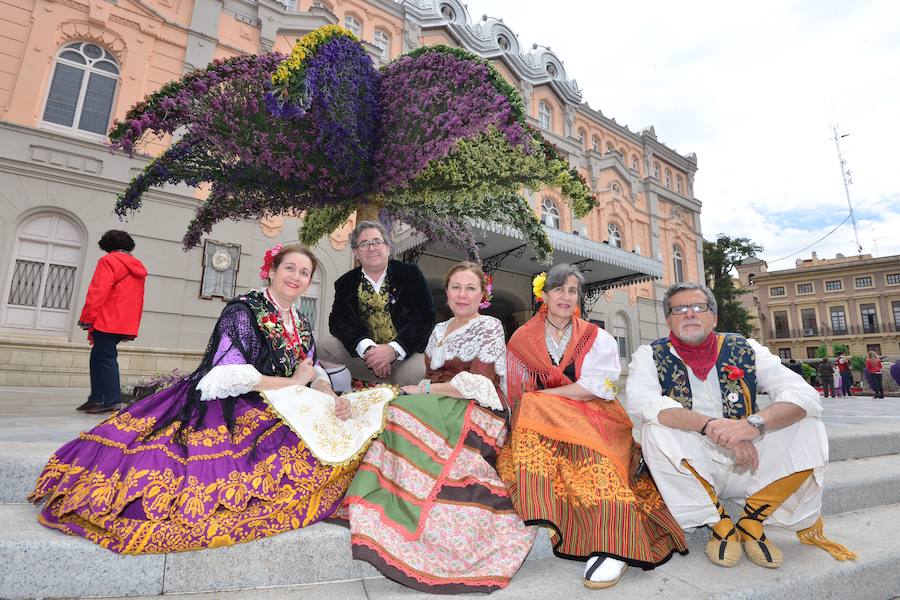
(447,13)
(678,184)
(668,179)
(353,24)
(83,88)
(383,43)
(48,252)
(634,162)
(656,170)
(610,147)
(582,135)
(677,264)
(595,144)
(545,115)
(615,236)
(620,333)
(549,213)
(503,42)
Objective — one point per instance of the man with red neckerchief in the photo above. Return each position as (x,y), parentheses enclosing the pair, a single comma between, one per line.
(704,438)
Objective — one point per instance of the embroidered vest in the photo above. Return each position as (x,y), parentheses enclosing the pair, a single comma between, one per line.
(738,395)
(374,308)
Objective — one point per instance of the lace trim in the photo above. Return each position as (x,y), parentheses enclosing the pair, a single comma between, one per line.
(557,351)
(226,381)
(478,388)
(481,338)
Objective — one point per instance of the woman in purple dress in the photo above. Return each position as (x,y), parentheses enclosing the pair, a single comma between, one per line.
(205,462)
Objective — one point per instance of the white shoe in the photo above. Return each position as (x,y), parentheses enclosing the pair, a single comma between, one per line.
(603,572)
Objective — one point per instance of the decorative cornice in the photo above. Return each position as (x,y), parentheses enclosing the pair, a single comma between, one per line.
(668,195)
(539,66)
(82,30)
(865,264)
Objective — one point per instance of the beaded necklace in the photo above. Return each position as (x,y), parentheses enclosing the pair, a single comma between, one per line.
(292,338)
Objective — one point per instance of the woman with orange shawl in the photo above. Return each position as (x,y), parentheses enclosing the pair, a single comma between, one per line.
(572,464)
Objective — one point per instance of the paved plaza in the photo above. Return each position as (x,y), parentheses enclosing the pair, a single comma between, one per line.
(861,503)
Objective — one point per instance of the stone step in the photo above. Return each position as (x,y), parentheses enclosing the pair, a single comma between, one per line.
(862,441)
(21,462)
(40,562)
(807,574)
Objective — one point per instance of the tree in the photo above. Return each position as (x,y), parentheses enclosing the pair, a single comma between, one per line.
(822,351)
(719,259)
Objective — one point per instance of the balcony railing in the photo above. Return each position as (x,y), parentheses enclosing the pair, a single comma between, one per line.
(809,332)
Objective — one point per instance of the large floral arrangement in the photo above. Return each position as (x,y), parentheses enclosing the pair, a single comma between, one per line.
(434,139)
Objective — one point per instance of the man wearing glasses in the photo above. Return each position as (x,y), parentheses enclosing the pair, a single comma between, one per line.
(382,315)
(704,437)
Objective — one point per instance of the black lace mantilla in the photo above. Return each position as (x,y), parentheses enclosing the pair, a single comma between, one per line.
(243,323)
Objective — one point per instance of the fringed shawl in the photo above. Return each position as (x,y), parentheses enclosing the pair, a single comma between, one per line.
(528,364)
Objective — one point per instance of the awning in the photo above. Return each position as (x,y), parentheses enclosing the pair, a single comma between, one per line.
(502,247)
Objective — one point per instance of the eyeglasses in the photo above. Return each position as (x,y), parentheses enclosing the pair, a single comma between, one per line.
(696,307)
(375,244)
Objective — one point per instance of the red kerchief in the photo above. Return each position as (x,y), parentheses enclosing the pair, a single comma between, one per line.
(700,359)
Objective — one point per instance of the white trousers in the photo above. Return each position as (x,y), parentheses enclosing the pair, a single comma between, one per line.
(802,446)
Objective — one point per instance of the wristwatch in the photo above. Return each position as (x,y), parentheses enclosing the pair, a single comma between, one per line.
(760,424)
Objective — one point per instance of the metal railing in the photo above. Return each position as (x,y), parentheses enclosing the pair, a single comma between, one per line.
(809,332)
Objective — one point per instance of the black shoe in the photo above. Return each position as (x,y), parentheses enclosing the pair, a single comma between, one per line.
(87,405)
(103,408)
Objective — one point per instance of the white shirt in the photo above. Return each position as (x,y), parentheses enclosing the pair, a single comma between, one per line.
(644,399)
(367,343)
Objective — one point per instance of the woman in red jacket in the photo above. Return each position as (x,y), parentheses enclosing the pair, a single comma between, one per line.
(873,366)
(112,313)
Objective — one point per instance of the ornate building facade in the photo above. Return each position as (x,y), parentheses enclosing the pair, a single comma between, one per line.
(69,67)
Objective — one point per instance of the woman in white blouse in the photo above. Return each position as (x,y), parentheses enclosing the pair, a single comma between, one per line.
(204,462)
(427,507)
(571,463)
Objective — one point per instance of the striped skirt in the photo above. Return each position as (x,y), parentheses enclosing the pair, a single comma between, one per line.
(427,507)
(571,466)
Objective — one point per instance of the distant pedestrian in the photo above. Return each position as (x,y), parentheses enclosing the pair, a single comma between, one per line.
(826,376)
(873,367)
(843,363)
(111,314)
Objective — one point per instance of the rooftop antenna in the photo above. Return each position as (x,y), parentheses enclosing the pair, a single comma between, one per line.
(845,174)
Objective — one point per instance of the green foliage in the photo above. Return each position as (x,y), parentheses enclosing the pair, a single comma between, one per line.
(822,351)
(808,371)
(858,363)
(840,349)
(719,260)
(319,222)
(483,176)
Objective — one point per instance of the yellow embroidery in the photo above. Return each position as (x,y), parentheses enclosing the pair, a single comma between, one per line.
(124,421)
(208,437)
(584,481)
(373,308)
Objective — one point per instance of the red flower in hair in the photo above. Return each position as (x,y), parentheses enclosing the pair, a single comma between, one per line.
(268,260)
(734,373)
(488,292)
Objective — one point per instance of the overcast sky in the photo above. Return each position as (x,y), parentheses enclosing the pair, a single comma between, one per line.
(754,89)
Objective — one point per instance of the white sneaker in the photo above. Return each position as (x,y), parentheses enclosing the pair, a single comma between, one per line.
(603,572)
